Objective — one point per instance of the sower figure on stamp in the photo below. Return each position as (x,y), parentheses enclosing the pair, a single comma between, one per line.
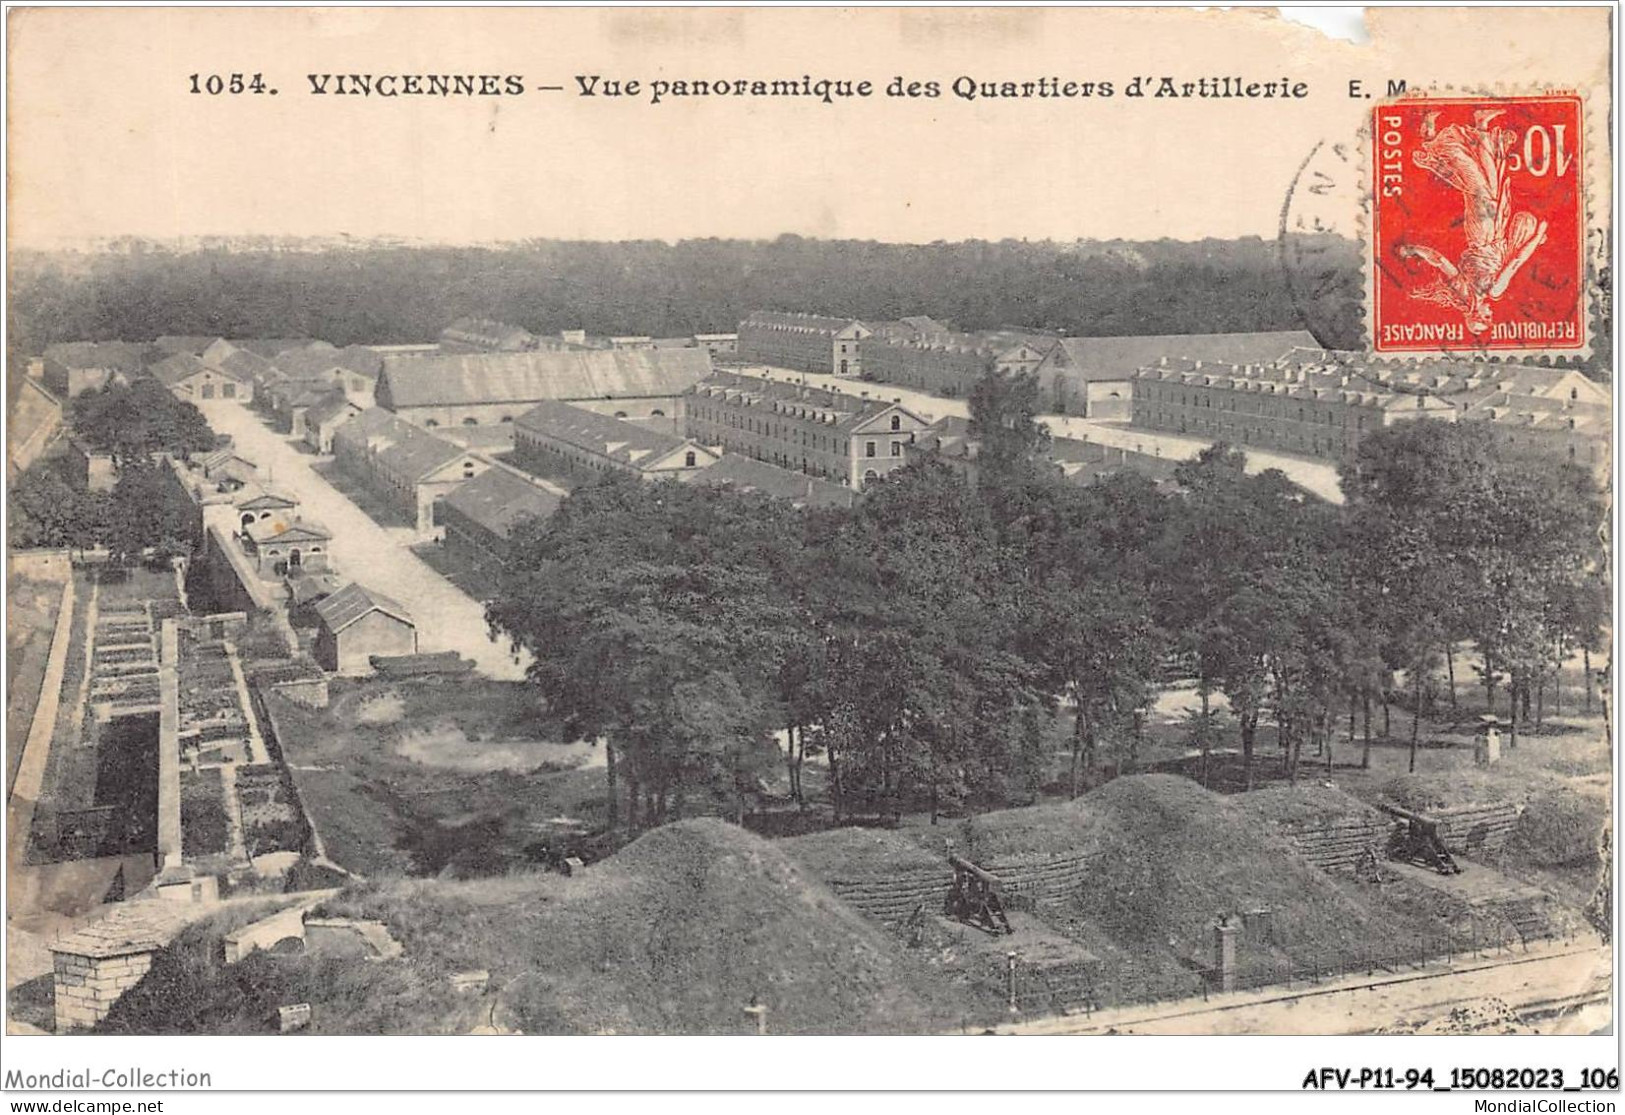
(1474,161)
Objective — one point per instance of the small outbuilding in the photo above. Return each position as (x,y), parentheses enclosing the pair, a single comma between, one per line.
(279,546)
(356,623)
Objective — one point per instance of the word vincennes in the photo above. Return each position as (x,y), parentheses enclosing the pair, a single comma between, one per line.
(826,90)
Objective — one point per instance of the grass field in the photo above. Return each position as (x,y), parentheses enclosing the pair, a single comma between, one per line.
(419,778)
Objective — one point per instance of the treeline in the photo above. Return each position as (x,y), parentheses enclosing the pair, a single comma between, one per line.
(389,294)
(931,640)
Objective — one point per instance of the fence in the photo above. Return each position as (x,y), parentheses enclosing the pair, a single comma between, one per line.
(1078,988)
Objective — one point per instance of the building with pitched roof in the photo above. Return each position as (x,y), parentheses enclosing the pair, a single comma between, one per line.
(189,377)
(482,389)
(33,421)
(1075,460)
(292,400)
(270,347)
(405,464)
(282,544)
(570,442)
(1323,403)
(478,519)
(75,367)
(718,344)
(747,474)
(226,466)
(322,419)
(1316,410)
(848,440)
(356,623)
(353,369)
(247,368)
(939,363)
(474,334)
(1560,428)
(1083,462)
(169,345)
(803,342)
(1091,376)
(259,502)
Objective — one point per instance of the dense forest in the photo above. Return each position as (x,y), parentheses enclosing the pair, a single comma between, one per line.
(373,295)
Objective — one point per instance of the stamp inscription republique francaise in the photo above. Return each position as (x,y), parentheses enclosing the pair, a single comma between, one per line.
(1478,218)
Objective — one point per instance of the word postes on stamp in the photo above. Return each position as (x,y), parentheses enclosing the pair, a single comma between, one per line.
(1477,235)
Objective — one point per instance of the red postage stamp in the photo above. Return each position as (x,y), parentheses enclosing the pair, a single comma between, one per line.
(1477,238)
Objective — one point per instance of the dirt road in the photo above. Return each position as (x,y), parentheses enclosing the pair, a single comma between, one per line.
(379,558)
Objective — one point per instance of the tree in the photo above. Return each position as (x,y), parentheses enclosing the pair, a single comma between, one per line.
(134,421)
(1464,542)
(1102,650)
(151,511)
(648,610)
(1013,445)
(48,512)
(918,609)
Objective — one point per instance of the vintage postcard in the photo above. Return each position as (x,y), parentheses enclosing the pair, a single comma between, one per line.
(809,521)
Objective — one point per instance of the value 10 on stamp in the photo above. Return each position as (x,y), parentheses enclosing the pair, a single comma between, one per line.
(1477,235)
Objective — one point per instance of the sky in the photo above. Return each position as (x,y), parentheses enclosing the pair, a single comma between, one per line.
(107,140)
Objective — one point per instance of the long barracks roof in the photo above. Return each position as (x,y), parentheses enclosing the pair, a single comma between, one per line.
(486,333)
(271,346)
(455,379)
(836,408)
(352,602)
(499,498)
(1116,358)
(747,474)
(1538,412)
(614,438)
(775,319)
(398,446)
(320,359)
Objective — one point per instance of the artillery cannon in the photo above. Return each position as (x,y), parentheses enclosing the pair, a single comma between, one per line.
(1420,842)
(977,898)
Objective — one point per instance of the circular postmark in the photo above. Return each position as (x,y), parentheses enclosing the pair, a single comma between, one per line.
(1319,245)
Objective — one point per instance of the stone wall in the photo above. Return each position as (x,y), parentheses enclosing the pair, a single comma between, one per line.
(86,987)
(1040,880)
(1478,829)
(1337,845)
(894,897)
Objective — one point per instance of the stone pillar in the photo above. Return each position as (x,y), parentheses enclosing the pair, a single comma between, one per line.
(1224,953)
(86,986)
